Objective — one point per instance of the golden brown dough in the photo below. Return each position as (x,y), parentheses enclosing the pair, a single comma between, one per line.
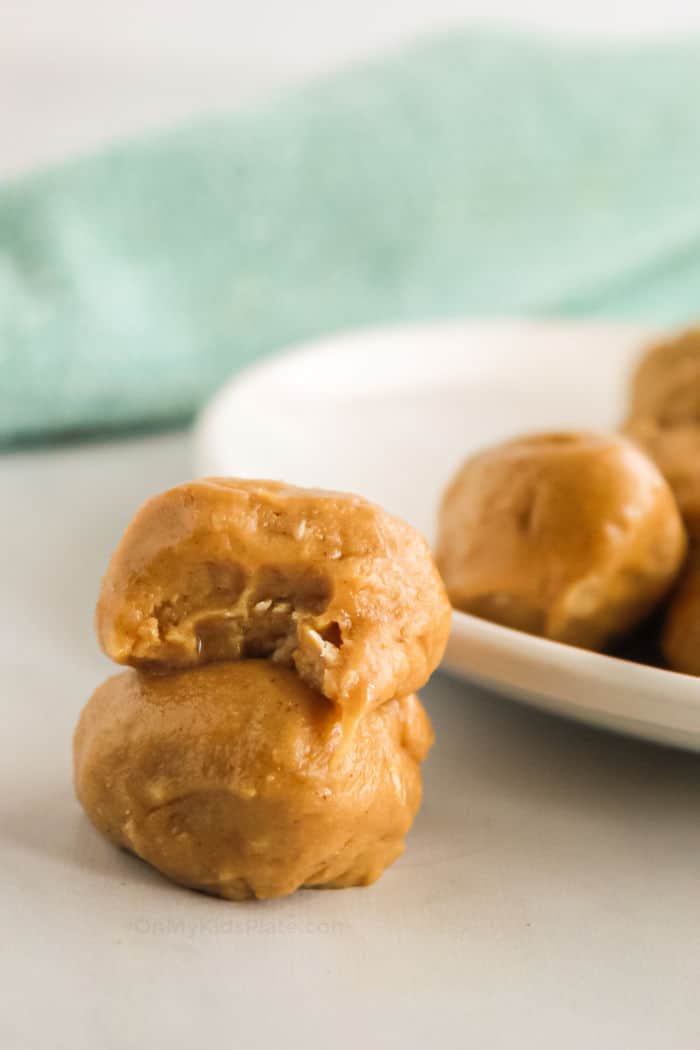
(676,452)
(328,583)
(228,778)
(664,417)
(572,536)
(666,385)
(681,634)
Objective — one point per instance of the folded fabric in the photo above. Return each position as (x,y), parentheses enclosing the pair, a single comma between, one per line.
(475,174)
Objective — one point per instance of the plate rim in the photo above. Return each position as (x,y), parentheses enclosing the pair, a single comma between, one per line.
(486,641)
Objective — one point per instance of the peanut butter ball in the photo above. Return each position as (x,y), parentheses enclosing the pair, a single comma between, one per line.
(327,583)
(666,385)
(572,536)
(664,417)
(676,452)
(681,634)
(230,778)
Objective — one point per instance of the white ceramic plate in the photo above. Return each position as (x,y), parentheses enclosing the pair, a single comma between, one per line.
(390,413)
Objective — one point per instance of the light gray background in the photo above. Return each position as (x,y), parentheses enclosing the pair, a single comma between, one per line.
(76,73)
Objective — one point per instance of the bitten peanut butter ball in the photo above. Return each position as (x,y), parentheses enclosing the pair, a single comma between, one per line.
(229,778)
(327,583)
(572,536)
(681,634)
(664,417)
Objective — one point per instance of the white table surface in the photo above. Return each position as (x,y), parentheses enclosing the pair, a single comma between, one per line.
(548,897)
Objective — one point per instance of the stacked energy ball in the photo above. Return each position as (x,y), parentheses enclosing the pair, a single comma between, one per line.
(267,735)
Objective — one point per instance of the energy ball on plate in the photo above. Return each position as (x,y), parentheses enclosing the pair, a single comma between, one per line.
(681,633)
(572,536)
(327,583)
(229,778)
(676,452)
(666,385)
(664,417)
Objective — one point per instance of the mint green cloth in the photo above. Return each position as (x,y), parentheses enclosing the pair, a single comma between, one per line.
(480,174)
